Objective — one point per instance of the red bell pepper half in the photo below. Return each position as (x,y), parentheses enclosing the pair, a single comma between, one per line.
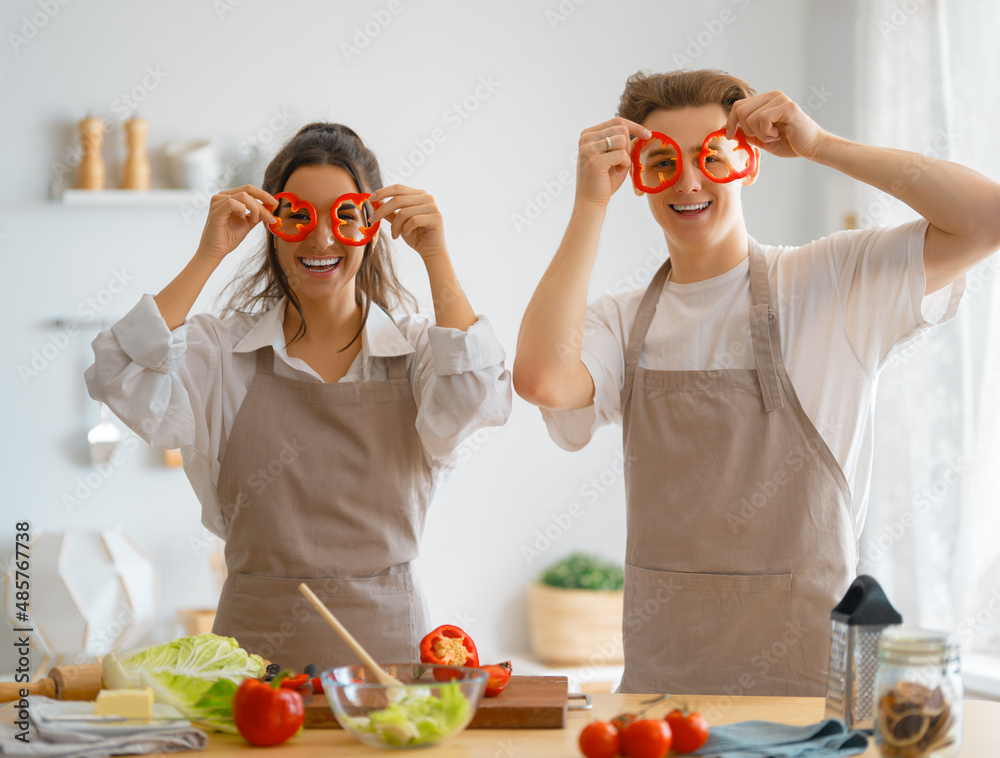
(449,646)
(638,167)
(741,145)
(265,713)
(367,232)
(301,230)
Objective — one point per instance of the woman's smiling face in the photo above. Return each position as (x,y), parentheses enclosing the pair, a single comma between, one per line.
(319,267)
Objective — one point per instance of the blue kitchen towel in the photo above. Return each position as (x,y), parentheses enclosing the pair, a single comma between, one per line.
(764,739)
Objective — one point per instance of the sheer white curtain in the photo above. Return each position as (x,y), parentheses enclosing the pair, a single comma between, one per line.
(928,80)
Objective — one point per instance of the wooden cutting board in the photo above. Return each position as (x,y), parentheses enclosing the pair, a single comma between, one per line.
(528,702)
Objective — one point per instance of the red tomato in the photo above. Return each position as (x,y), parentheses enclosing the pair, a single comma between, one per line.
(646,738)
(499,676)
(266,715)
(599,739)
(690,731)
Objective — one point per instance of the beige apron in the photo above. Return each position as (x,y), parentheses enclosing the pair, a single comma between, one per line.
(740,541)
(324,483)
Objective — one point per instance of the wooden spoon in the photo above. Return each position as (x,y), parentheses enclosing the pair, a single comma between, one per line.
(347,637)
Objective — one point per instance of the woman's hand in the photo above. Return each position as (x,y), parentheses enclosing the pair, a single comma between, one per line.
(231,216)
(773,122)
(413,215)
(604,159)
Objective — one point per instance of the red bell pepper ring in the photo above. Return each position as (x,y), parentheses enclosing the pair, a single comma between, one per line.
(301,230)
(448,646)
(733,174)
(638,167)
(367,232)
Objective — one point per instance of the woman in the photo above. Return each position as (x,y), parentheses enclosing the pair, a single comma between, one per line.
(315,429)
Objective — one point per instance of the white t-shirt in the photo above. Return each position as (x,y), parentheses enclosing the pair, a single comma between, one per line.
(846,304)
(183,389)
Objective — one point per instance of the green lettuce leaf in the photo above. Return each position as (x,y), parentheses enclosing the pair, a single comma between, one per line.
(419,717)
(197,675)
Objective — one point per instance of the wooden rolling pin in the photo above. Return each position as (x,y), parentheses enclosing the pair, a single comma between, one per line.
(80,682)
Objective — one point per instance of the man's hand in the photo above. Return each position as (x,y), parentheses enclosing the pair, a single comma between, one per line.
(604,159)
(773,122)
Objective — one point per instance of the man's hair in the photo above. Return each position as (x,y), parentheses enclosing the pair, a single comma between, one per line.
(645,93)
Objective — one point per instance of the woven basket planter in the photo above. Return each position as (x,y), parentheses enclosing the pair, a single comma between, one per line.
(573,627)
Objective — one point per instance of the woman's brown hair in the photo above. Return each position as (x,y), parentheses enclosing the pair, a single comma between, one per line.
(645,93)
(321,144)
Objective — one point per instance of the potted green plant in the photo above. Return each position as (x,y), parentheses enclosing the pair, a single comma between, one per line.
(575,612)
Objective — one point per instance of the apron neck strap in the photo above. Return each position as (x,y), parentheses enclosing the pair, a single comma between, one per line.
(764,331)
(395,366)
(265,360)
(643,318)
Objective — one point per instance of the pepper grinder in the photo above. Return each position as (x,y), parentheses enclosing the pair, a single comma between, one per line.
(90,174)
(136,174)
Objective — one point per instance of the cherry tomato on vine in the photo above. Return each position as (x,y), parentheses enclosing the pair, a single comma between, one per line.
(690,730)
(599,739)
(646,738)
(622,720)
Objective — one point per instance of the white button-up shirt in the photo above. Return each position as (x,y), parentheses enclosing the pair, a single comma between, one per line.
(183,388)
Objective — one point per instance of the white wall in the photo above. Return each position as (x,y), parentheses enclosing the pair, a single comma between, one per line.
(256,71)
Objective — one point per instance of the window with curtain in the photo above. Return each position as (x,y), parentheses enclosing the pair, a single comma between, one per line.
(928,80)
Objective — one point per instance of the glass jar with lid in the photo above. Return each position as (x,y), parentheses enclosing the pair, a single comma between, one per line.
(919,694)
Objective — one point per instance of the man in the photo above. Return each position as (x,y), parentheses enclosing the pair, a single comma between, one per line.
(744,376)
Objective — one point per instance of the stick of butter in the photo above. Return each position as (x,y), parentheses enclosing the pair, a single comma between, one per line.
(133,704)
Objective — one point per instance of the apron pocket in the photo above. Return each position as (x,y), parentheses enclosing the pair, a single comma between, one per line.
(714,634)
(270,617)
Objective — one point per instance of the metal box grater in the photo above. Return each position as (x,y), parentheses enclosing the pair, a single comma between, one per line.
(856,625)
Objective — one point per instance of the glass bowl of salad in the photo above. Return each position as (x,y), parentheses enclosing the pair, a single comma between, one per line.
(430,704)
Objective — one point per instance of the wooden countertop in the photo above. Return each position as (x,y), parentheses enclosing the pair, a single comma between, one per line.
(980,738)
